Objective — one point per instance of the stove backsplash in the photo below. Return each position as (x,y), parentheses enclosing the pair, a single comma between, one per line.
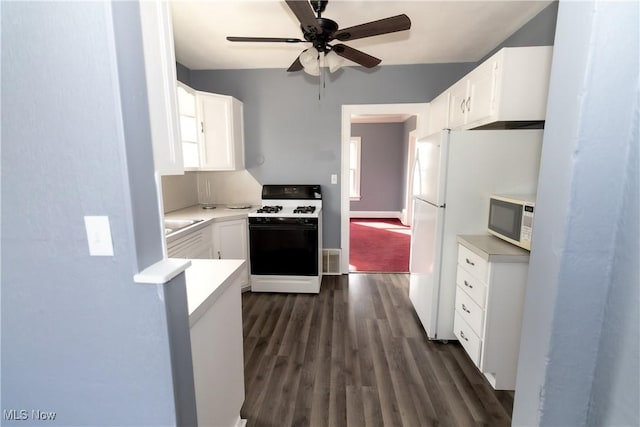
(221,188)
(179,191)
(192,188)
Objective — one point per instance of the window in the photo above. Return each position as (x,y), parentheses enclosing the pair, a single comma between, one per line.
(354,168)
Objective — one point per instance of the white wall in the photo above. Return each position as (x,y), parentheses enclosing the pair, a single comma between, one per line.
(583,261)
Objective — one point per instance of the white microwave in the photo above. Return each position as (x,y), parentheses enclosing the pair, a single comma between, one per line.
(511,218)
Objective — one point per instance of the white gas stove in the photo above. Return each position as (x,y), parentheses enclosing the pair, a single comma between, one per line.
(285,239)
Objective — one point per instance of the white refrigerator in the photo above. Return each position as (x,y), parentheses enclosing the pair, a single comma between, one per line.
(455,172)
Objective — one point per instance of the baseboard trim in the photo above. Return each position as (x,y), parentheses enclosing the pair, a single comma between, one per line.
(375,214)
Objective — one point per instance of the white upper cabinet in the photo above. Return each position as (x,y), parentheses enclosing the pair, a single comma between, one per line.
(188,126)
(221,132)
(510,86)
(160,72)
(458,104)
(212,128)
(439,113)
(480,100)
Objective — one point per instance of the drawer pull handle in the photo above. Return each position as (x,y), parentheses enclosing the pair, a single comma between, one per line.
(463,337)
(468,285)
(464,308)
(469,262)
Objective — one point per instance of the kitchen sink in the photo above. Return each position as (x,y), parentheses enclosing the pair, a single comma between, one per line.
(171,225)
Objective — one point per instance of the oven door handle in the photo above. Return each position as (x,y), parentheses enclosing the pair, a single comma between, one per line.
(287,227)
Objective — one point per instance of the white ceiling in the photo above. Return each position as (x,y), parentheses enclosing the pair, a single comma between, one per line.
(441,31)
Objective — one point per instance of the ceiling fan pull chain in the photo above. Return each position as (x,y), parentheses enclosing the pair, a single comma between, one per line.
(321,77)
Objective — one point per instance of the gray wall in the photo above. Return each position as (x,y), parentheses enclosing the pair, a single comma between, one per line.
(292,137)
(183,73)
(539,31)
(382,166)
(579,352)
(78,336)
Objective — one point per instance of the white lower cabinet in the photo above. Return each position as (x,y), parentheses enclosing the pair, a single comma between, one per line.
(490,290)
(195,245)
(230,239)
(230,242)
(223,239)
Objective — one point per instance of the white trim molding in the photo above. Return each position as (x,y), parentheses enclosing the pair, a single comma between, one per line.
(349,112)
(375,214)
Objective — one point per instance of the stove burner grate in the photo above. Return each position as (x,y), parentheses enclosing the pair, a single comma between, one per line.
(269,209)
(304,209)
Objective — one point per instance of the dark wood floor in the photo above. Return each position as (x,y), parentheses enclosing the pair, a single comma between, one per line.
(355,355)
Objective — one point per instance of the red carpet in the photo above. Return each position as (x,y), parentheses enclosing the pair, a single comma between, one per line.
(379,245)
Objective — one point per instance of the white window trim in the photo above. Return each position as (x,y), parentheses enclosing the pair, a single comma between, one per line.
(358,141)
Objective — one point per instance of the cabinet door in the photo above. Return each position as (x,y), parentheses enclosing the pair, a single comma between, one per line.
(202,252)
(481,92)
(194,245)
(188,126)
(216,132)
(160,73)
(458,104)
(439,114)
(230,239)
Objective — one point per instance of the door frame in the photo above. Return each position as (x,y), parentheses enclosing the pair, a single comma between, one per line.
(420,110)
(407,212)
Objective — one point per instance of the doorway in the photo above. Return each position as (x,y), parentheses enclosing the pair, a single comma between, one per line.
(376,113)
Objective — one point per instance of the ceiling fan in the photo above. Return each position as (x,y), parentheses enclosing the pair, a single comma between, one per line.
(322,31)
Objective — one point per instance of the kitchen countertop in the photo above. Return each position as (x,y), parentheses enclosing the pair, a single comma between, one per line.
(206,280)
(221,213)
(492,249)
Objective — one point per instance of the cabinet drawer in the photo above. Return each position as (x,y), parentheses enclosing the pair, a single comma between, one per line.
(469,311)
(469,340)
(471,262)
(471,285)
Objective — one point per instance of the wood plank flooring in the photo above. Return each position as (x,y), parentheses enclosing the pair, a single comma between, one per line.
(356,355)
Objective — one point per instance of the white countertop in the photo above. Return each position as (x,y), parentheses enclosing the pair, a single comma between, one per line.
(492,249)
(197,212)
(206,280)
(220,213)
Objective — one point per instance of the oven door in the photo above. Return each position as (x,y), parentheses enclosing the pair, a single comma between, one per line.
(283,246)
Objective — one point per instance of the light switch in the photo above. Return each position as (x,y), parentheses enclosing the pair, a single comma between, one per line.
(334,178)
(99,235)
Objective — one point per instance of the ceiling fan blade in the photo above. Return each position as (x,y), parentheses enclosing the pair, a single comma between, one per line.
(304,13)
(265,39)
(374,28)
(356,55)
(296,66)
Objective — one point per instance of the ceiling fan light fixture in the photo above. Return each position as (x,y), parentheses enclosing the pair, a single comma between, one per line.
(333,61)
(310,60)
(321,31)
